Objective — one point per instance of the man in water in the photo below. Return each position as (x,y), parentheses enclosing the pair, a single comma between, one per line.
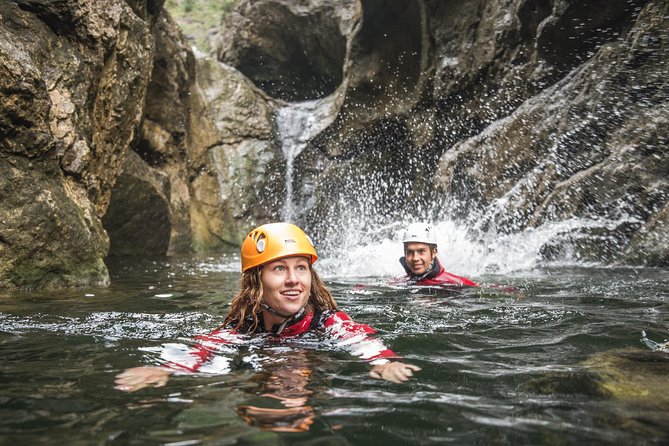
(420,259)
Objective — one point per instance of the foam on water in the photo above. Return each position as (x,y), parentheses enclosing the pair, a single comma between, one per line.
(111,325)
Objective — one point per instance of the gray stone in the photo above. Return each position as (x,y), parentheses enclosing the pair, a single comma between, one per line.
(589,147)
(73,77)
(292,50)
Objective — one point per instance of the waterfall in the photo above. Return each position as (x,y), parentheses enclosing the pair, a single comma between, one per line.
(297,124)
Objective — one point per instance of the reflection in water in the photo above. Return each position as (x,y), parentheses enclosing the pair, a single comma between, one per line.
(542,370)
(281,396)
(282,405)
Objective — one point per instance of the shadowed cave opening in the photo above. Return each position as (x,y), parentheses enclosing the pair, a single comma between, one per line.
(137,220)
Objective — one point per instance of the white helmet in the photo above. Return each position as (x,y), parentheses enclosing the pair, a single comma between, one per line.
(420,233)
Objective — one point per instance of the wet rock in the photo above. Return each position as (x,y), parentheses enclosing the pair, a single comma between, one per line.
(50,235)
(367,168)
(239,110)
(135,230)
(579,382)
(73,77)
(633,375)
(245,184)
(492,56)
(589,147)
(292,50)
(387,67)
(648,245)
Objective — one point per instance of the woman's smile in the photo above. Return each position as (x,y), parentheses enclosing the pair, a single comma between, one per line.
(286,286)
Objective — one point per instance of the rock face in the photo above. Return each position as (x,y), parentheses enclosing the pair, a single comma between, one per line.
(507,115)
(589,147)
(115,138)
(172,142)
(292,50)
(73,76)
(110,146)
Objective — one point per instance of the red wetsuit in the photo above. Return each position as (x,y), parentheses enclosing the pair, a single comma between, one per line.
(336,325)
(435,276)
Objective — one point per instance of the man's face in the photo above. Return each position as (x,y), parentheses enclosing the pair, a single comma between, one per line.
(419,257)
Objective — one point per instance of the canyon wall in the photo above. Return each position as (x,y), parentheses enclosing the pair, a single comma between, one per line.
(116,138)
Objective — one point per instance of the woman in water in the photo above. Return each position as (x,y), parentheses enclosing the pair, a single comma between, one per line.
(281,297)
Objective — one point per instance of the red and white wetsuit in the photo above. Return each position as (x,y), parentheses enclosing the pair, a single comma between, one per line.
(435,276)
(336,325)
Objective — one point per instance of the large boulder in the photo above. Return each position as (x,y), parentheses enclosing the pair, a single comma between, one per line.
(245,185)
(50,235)
(73,76)
(292,50)
(633,380)
(591,147)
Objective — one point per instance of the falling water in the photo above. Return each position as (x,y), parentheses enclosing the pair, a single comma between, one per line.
(297,124)
(578,358)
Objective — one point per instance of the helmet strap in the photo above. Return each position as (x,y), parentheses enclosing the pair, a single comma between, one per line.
(287,317)
(269,309)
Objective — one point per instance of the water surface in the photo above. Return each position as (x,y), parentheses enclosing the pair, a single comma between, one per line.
(573,357)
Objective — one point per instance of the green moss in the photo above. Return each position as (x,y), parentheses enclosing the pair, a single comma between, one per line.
(34,274)
(633,375)
(198,18)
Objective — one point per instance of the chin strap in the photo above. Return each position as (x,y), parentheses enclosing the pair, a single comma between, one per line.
(278,328)
(269,309)
(431,272)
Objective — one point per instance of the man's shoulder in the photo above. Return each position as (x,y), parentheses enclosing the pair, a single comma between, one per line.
(444,277)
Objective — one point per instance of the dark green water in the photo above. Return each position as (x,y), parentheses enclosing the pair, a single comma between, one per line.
(570,360)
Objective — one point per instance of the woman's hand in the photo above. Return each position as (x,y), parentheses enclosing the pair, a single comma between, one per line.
(140,377)
(396,372)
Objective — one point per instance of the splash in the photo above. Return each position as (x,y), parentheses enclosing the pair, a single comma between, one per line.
(462,251)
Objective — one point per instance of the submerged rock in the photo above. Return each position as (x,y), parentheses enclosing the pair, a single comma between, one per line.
(633,375)
(634,381)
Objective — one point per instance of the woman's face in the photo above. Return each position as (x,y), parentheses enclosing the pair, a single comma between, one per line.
(286,286)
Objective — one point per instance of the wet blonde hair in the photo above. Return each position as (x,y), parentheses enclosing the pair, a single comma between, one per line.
(245,305)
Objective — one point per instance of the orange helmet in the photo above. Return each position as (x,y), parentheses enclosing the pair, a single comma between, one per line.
(275,241)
